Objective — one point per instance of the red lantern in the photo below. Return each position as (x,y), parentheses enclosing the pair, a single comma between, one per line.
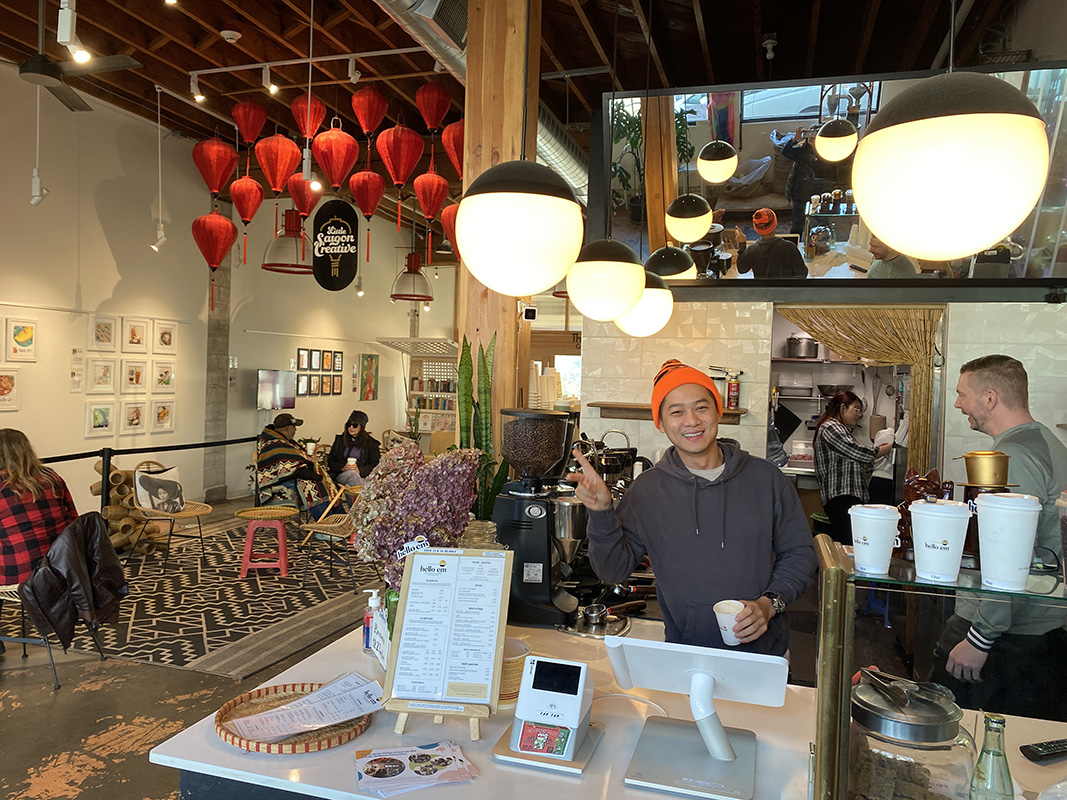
(216,161)
(247,195)
(308,121)
(448,222)
(367,190)
(452,139)
(400,148)
(277,156)
(336,152)
(369,106)
(250,117)
(433,101)
(305,199)
(431,189)
(214,235)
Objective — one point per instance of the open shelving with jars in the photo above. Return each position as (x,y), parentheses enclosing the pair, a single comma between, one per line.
(432,381)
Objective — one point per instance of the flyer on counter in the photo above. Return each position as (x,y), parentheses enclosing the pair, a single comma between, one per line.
(403,769)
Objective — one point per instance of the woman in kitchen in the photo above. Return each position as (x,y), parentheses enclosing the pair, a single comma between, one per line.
(843,465)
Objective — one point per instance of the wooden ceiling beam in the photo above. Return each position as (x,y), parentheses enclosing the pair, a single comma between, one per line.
(548,47)
(646,30)
(594,29)
(869,18)
(966,50)
(702,34)
(920,30)
(813,37)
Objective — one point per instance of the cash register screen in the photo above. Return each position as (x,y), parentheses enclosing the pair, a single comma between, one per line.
(551,676)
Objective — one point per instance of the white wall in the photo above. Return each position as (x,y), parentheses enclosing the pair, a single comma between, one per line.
(85,250)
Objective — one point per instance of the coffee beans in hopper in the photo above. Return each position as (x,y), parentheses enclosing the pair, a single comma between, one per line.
(533,446)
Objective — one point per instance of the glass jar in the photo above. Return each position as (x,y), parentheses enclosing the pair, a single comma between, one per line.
(480,534)
(907,736)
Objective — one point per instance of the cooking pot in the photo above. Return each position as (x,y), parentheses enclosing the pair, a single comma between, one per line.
(800,345)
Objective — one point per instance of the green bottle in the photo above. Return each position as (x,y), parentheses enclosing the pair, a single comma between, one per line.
(992,777)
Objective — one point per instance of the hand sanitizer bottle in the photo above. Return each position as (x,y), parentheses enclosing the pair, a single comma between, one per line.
(373,604)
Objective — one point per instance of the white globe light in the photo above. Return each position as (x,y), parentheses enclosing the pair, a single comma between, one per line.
(983,163)
(606,281)
(688,218)
(493,228)
(717,162)
(652,311)
(836,140)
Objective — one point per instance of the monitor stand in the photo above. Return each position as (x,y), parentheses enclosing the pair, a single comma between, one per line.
(671,757)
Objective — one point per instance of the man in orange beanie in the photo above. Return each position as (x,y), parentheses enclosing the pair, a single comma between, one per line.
(770,257)
(716,523)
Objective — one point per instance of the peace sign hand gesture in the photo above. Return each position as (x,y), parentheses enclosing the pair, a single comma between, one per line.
(589,488)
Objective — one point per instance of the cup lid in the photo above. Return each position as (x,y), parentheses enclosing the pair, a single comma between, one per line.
(877,510)
(1012,500)
(1061,501)
(941,508)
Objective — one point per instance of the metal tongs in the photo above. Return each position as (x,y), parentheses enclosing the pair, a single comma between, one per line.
(902,691)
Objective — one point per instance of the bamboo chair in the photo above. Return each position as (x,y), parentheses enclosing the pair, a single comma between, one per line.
(190,511)
(335,530)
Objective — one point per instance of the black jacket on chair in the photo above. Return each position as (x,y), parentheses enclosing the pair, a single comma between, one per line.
(369,456)
(79,578)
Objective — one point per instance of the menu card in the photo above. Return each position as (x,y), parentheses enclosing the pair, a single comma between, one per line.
(388,772)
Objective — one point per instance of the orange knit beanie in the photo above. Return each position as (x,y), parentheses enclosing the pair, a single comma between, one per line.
(673,374)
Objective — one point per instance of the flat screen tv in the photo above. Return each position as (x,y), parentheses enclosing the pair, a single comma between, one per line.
(276,389)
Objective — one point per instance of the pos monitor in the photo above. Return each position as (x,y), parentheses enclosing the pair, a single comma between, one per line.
(702,758)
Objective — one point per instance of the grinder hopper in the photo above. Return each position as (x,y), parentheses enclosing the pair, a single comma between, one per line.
(533,442)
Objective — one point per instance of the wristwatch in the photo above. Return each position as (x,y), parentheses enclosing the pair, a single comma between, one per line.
(777,603)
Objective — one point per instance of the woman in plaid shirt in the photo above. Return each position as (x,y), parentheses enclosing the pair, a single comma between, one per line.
(35,507)
(843,465)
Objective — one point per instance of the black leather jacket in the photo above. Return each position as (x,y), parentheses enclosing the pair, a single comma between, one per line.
(369,456)
(79,578)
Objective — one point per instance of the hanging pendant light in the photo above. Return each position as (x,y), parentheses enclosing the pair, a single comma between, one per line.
(836,140)
(972,141)
(717,162)
(411,284)
(652,312)
(688,218)
(606,280)
(670,262)
(290,251)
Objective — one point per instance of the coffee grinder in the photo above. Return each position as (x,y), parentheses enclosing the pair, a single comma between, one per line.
(534,443)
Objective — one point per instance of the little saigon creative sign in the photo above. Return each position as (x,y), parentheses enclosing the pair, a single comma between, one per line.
(336,251)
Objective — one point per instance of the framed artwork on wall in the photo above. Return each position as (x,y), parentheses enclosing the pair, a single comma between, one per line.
(134,335)
(134,417)
(101,376)
(313,386)
(9,389)
(99,418)
(162,377)
(302,385)
(103,333)
(327,386)
(162,419)
(164,337)
(303,358)
(316,359)
(134,376)
(368,376)
(20,342)
(327,360)
(338,361)
(337,384)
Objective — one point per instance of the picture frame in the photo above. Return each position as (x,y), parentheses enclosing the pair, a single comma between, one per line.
(368,376)
(134,379)
(134,417)
(20,339)
(9,389)
(302,385)
(316,359)
(101,375)
(163,377)
(303,358)
(162,416)
(134,335)
(338,361)
(103,333)
(313,385)
(327,386)
(337,388)
(164,337)
(99,418)
(327,360)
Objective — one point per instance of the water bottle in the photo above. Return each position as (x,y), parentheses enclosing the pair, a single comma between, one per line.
(992,778)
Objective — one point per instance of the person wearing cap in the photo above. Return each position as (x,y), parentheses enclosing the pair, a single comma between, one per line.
(770,257)
(715,522)
(354,452)
(997,654)
(888,263)
(285,473)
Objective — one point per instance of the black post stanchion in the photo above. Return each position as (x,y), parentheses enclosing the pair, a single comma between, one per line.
(105,484)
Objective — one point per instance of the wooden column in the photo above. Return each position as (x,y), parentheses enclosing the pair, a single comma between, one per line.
(493,133)
(661,165)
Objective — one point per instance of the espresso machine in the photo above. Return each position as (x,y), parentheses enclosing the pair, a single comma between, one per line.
(532,515)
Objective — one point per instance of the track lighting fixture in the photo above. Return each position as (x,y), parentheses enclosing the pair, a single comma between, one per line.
(66,33)
(37,192)
(78,51)
(171,2)
(359,286)
(194,87)
(267,84)
(313,179)
(353,74)
(161,239)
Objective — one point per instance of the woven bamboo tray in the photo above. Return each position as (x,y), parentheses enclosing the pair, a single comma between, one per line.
(268,697)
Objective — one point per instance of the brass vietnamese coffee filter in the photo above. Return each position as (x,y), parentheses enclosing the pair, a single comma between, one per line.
(986,467)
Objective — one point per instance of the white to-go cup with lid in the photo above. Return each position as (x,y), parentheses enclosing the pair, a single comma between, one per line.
(938,530)
(1007,528)
(874,535)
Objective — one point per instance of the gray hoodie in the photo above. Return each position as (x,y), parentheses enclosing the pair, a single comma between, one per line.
(730,539)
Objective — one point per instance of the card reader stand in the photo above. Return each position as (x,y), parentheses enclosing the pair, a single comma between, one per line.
(503,753)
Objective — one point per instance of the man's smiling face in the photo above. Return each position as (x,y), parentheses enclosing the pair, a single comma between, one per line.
(691,422)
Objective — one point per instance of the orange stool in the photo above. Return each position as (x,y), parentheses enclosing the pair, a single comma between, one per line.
(266,517)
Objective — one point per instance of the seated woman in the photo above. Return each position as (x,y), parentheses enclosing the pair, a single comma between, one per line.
(354,453)
(35,507)
(287,476)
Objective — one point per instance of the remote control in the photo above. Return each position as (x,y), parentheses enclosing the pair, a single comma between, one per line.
(1045,751)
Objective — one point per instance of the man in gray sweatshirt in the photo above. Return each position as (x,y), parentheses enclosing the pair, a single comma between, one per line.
(715,522)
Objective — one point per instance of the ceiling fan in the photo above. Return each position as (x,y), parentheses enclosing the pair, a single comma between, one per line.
(39,69)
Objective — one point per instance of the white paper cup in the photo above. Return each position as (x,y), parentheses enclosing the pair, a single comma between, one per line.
(874,535)
(515,652)
(938,530)
(726,612)
(1007,527)
(351,462)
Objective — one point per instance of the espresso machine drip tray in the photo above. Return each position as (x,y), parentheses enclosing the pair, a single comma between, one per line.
(612,626)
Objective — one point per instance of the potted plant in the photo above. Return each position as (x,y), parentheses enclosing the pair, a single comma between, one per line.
(475,421)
